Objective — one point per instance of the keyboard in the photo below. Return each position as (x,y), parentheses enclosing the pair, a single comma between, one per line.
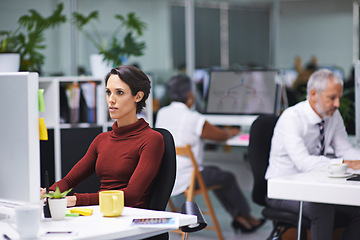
(7,207)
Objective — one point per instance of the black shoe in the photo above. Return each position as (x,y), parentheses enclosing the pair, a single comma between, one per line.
(262,221)
(237,226)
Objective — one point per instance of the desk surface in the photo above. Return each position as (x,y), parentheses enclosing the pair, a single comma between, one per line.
(233,120)
(244,121)
(315,187)
(98,227)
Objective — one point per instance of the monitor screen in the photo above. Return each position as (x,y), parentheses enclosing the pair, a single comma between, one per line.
(245,92)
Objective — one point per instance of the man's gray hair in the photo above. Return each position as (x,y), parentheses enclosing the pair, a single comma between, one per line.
(320,78)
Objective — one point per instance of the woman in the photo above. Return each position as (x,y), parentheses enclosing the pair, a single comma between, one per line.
(126,158)
(190,127)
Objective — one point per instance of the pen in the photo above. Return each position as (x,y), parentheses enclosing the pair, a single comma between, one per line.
(59,232)
(47,213)
(6,237)
(47,181)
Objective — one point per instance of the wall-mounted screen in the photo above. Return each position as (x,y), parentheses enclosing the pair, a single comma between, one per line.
(245,92)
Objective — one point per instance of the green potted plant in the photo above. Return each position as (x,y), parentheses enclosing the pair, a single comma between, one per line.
(57,203)
(120,45)
(28,39)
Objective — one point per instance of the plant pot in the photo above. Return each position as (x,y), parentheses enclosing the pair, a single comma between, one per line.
(99,68)
(57,208)
(9,62)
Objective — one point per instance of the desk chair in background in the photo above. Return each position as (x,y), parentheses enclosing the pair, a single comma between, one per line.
(197,187)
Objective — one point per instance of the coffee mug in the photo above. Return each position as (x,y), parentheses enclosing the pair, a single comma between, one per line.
(111,203)
(26,221)
(338,169)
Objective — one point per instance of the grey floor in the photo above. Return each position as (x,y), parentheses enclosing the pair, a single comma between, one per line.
(234,161)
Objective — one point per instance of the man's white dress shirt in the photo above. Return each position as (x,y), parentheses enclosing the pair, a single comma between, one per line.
(295,144)
(186,127)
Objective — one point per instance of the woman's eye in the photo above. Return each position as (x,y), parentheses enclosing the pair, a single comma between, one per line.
(120,92)
(107,92)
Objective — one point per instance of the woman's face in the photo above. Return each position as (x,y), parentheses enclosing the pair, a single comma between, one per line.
(121,103)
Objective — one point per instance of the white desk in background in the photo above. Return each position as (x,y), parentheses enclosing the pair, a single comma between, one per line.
(314,187)
(98,227)
(242,121)
(230,120)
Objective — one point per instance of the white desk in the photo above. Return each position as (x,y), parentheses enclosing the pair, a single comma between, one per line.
(243,121)
(98,227)
(314,187)
(241,140)
(232,120)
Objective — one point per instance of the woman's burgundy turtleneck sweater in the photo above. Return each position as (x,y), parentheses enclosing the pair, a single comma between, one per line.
(126,158)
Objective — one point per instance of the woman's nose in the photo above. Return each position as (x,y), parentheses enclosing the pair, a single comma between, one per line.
(110,99)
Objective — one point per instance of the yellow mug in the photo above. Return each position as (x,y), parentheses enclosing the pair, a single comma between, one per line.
(111,203)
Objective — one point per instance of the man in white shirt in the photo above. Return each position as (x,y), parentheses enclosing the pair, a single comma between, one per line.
(190,127)
(296,147)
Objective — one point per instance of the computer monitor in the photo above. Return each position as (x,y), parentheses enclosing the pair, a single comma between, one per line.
(19,137)
(243,93)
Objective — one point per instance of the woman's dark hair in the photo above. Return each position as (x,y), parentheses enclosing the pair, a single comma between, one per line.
(178,88)
(135,79)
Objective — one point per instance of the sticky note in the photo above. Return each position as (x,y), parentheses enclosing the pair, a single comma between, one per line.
(43,134)
(82,211)
(41,100)
(70,214)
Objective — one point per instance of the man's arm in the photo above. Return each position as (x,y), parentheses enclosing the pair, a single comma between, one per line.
(343,148)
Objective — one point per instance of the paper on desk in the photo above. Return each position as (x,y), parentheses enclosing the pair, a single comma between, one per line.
(350,170)
(166,222)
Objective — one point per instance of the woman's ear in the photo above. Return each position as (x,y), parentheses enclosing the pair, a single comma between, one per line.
(139,96)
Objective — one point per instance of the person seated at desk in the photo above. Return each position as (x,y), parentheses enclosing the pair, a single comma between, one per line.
(126,158)
(190,127)
(299,144)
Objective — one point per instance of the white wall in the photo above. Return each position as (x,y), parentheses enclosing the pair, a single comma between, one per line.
(319,28)
(322,28)
(58,52)
(157,35)
(10,11)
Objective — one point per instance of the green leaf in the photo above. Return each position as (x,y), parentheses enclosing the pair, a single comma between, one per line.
(57,194)
(121,43)
(63,194)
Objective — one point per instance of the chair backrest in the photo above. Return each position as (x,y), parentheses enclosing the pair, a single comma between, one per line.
(165,179)
(261,132)
(196,177)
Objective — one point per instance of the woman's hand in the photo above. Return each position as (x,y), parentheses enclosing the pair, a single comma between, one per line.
(42,191)
(71,201)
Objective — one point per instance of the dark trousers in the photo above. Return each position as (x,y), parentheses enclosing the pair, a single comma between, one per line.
(322,217)
(230,194)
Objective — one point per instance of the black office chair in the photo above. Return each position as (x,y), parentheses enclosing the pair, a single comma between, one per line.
(261,132)
(165,179)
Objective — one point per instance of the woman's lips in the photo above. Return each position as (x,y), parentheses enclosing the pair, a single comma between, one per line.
(112,109)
